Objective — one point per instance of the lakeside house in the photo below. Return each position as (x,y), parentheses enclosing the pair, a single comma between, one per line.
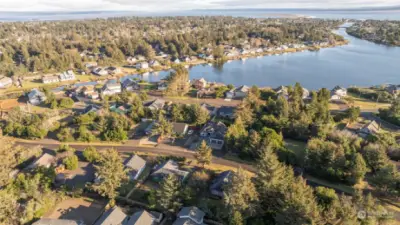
(90,65)
(68,75)
(50,79)
(142,65)
(111,88)
(190,216)
(130,85)
(162,86)
(135,165)
(176,61)
(214,134)
(199,83)
(36,97)
(5,82)
(169,167)
(114,70)
(218,184)
(154,63)
(239,92)
(131,60)
(99,71)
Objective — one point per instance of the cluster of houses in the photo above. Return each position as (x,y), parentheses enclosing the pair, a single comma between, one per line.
(68,75)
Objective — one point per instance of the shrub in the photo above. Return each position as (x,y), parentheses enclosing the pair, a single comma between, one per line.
(71,162)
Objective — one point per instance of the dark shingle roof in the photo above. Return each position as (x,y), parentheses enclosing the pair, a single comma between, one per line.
(113,216)
(141,218)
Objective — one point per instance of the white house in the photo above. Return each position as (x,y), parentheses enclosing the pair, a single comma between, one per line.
(338,93)
(100,71)
(190,215)
(50,79)
(5,82)
(67,76)
(111,89)
(154,63)
(142,65)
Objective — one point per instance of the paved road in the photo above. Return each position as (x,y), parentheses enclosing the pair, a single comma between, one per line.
(180,152)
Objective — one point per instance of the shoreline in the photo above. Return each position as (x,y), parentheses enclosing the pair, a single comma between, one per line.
(126,71)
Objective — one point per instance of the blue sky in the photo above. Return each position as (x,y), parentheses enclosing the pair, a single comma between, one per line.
(167,5)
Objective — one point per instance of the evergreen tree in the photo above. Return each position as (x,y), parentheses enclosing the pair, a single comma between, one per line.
(168,195)
(240,194)
(91,154)
(236,219)
(111,173)
(203,154)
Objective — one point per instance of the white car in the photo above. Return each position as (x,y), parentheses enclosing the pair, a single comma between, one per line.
(190,132)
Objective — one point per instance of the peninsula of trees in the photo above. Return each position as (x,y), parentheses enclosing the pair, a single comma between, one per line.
(381,32)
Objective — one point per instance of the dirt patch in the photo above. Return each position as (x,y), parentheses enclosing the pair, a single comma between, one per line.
(86,210)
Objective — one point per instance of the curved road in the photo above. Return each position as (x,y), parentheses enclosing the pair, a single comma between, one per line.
(174,151)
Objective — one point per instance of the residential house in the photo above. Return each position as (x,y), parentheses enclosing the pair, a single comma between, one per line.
(338,93)
(47,221)
(185,59)
(5,82)
(114,70)
(135,165)
(162,86)
(110,89)
(227,112)
(142,65)
(68,75)
(156,105)
(190,216)
(210,57)
(212,110)
(141,58)
(369,129)
(167,168)
(180,128)
(45,160)
(90,92)
(90,108)
(50,79)
(230,94)
(90,65)
(176,61)
(130,85)
(199,83)
(142,217)
(393,89)
(214,134)
(154,63)
(205,93)
(282,91)
(118,109)
(113,216)
(99,71)
(149,129)
(218,184)
(131,60)
(242,91)
(36,97)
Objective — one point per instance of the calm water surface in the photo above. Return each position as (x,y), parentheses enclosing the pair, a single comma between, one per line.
(361,63)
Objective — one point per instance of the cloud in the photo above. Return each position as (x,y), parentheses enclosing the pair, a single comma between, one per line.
(164,5)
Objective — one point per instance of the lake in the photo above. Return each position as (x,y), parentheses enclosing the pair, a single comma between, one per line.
(360,63)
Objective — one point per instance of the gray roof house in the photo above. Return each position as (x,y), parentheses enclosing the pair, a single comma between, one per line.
(338,93)
(130,84)
(46,221)
(214,134)
(242,91)
(113,216)
(217,186)
(156,104)
(45,160)
(227,112)
(369,129)
(36,97)
(141,218)
(135,164)
(5,82)
(111,89)
(169,167)
(190,215)
(212,111)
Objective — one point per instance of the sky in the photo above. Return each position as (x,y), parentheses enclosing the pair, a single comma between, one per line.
(171,5)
